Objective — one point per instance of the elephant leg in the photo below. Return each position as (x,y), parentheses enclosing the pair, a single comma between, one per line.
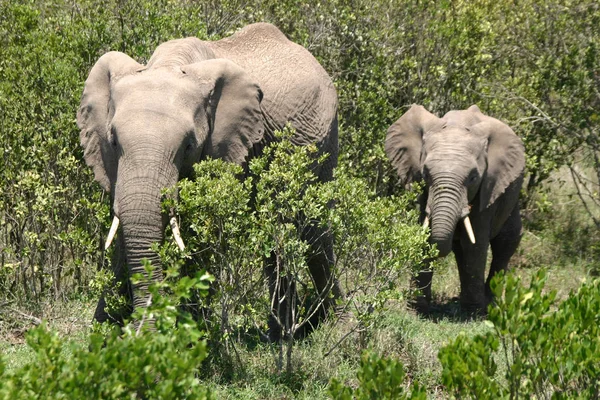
(504,245)
(121,288)
(283,298)
(199,305)
(320,259)
(422,283)
(471,260)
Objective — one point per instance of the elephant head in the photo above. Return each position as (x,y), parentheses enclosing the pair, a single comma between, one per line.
(466,159)
(143,128)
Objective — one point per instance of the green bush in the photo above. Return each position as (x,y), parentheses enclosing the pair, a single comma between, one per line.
(378,378)
(232,226)
(534,348)
(545,349)
(534,66)
(158,360)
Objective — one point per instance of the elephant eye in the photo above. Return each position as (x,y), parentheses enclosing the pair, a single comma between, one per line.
(425,174)
(191,142)
(112,136)
(472,177)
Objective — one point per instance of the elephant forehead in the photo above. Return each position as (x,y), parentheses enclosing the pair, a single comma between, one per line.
(153,91)
(453,139)
(150,120)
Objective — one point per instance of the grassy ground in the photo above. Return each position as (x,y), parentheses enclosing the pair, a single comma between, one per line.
(70,319)
(397,332)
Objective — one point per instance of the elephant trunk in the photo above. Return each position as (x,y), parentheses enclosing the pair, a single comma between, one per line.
(137,250)
(138,205)
(446,200)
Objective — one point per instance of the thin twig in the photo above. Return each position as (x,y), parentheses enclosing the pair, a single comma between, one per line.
(585,205)
(36,321)
(328,352)
(139,329)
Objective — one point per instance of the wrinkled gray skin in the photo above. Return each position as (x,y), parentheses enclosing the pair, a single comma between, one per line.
(472,165)
(144,126)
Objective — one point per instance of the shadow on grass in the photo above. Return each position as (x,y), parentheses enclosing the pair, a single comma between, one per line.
(447,309)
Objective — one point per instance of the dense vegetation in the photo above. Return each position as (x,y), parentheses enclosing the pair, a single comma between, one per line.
(533,64)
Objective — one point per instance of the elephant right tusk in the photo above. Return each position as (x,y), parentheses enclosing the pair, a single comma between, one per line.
(469,229)
(177,233)
(112,232)
(426,222)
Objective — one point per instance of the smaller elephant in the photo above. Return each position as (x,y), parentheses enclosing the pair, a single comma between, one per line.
(472,166)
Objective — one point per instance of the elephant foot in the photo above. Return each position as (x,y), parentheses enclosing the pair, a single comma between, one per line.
(274,335)
(100,315)
(115,317)
(474,310)
(421,287)
(420,304)
(489,296)
(274,330)
(474,300)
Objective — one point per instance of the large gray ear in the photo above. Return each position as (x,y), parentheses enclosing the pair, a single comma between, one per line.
(93,113)
(234,113)
(405,139)
(505,159)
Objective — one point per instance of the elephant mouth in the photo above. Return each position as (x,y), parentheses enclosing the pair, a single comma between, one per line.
(466,222)
(174,228)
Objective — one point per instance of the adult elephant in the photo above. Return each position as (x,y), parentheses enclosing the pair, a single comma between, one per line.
(472,166)
(144,126)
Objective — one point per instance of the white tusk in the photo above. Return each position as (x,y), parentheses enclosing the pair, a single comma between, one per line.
(426,222)
(112,232)
(177,233)
(469,229)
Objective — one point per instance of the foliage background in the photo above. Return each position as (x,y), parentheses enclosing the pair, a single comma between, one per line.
(534,64)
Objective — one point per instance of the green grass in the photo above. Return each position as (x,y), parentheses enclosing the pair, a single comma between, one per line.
(71,319)
(397,332)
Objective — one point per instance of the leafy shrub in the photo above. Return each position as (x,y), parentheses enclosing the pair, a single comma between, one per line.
(559,231)
(379,378)
(232,226)
(534,66)
(534,348)
(48,217)
(158,361)
(547,351)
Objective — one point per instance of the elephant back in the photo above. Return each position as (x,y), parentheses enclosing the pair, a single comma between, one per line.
(295,86)
(179,52)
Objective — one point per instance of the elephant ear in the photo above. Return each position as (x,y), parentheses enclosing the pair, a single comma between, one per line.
(93,115)
(505,159)
(234,114)
(405,139)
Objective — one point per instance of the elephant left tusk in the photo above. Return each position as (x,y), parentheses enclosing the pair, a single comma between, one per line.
(469,229)
(177,233)
(426,222)
(112,232)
